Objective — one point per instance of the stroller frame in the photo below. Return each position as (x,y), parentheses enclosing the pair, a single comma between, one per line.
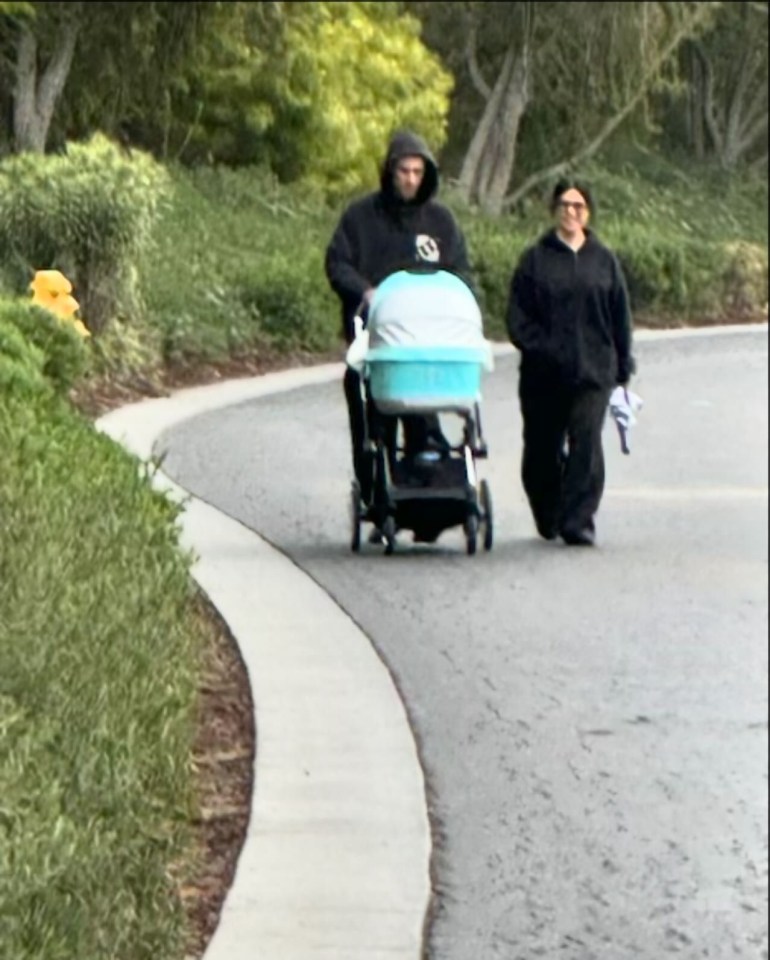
(428,497)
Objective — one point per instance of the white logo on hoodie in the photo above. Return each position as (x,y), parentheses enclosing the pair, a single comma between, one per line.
(427,248)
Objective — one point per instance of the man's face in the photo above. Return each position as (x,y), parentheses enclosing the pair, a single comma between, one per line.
(407,176)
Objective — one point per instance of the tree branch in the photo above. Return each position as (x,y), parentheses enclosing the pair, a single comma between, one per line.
(55,76)
(756,114)
(611,125)
(472,59)
(750,133)
(709,108)
(26,68)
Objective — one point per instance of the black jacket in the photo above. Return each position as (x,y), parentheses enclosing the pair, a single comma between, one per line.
(381,233)
(569,312)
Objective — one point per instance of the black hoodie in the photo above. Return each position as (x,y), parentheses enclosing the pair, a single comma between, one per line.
(381,232)
(568,312)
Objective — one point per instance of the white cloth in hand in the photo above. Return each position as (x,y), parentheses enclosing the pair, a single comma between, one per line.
(624,405)
(358,349)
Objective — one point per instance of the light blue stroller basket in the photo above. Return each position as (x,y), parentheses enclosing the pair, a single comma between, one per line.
(427,349)
(425,355)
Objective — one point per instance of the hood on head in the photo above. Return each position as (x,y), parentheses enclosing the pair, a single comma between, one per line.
(408,144)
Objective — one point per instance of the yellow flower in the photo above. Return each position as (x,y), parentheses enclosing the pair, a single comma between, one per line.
(53,291)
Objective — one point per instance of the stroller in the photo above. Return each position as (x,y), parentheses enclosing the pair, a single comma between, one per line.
(421,355)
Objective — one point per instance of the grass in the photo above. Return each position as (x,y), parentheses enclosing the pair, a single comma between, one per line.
(98,659)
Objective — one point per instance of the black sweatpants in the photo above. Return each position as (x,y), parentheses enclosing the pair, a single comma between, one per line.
(562,467)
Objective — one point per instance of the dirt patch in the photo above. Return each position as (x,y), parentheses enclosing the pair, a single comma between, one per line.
(95,396)
(223,757)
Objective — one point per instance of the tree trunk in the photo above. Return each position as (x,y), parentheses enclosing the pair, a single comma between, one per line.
(35,96)
(489,162)
(737,123)
(469,174)
(746,119)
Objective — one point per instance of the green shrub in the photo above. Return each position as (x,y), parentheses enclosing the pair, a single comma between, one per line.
(693,245)
(98,655)
(88,212)
(237,268)
(230,262)
(65,352)
(21,363)
(494,248)
(291,296)
(744,277)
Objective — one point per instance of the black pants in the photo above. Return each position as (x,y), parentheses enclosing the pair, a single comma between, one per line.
(365,420)
(562,467)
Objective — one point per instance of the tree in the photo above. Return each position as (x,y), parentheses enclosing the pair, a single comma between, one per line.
(359,71)
(677,23)
(580,69)
(37,77)
(104,50)
(726,106)
(313,90)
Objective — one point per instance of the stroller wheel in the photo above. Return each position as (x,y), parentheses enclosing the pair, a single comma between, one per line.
(471,527)
(389,535)
(355,517)
(485,508)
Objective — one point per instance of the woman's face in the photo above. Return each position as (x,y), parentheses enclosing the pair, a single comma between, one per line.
(571,212)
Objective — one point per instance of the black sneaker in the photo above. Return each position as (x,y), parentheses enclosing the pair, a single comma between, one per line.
(548,531)
(584,537)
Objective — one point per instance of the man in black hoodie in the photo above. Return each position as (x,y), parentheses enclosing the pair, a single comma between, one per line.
(397,226)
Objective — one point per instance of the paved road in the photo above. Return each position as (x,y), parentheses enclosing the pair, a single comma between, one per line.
(592,724)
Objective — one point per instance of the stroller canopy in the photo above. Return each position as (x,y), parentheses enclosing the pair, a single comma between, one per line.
(417,308)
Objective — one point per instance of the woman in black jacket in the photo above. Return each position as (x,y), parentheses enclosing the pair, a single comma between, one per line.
(568,314)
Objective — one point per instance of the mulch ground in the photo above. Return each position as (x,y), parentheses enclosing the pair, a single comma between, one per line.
(223,760)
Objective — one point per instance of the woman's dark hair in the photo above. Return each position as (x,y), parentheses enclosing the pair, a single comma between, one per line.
(563,186)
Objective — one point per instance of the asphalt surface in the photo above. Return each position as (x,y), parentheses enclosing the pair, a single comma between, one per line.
(592,724)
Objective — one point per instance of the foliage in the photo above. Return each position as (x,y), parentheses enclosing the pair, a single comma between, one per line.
(127,56)
(540,84)
(14,9)
(237,268)
(64,356)
(314,89)
(88,212)
(21,363)
(360,72)
(721,110)
(98,654)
